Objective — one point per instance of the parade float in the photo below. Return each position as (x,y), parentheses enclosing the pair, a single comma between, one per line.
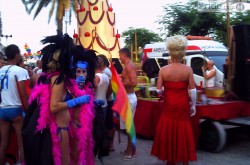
(96,28)
(216,115)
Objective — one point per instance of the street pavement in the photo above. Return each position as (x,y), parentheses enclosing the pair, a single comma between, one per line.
(236,152)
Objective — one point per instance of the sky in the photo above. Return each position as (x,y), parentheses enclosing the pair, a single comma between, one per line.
(22,27)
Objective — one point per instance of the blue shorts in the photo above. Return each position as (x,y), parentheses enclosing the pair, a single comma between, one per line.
(9,114)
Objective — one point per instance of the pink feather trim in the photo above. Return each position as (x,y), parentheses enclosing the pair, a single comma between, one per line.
(46,118)
(43,93)
(84,134)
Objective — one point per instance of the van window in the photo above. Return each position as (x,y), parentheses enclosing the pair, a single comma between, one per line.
(219,58)
(196,64)
(162,62)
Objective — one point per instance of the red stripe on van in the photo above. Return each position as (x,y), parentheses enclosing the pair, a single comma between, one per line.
(193,47)
(147,50)
(145,56)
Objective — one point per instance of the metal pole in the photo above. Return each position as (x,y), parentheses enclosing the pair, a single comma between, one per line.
(230,51)
(136,50)
(132,51)
(6,38)
(228,25)
(66,21)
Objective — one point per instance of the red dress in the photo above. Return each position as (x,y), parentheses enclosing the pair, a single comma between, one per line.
(174,139)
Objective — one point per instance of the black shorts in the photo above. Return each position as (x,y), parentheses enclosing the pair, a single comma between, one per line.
(109,122)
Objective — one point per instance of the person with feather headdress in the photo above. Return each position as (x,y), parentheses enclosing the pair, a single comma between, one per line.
(56,94)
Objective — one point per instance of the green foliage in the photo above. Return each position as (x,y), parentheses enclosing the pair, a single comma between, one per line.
(144,36)
(185,19)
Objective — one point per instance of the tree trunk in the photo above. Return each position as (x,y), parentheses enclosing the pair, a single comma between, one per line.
(59,26)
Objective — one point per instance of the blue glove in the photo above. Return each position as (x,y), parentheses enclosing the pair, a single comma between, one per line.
(78,101)
(80,79)
(99,102)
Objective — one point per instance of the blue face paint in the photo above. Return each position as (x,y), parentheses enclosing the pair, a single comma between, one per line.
(80,81)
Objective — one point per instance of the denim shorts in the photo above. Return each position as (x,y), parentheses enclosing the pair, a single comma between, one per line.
(9,114)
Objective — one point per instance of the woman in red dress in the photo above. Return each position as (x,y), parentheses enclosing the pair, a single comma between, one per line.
(174,139)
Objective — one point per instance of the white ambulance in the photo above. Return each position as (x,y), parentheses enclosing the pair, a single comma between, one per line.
(198,49)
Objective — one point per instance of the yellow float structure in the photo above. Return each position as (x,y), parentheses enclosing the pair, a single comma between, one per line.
(96,27)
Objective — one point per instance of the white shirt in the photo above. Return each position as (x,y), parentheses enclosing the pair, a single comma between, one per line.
(109,74)
(39,71)
(102,88)
(9,94)
(210,82)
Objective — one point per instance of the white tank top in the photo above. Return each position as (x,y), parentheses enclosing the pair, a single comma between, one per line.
(101,90)
(109,74)
(211,81)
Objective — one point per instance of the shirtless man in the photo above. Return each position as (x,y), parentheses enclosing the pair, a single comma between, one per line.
(129,80)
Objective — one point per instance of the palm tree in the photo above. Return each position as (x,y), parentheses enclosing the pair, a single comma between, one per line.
(61,6)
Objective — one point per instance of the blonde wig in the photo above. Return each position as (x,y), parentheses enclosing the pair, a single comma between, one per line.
(176,46)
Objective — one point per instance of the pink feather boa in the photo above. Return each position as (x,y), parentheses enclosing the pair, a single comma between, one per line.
(46,118)
(84,135)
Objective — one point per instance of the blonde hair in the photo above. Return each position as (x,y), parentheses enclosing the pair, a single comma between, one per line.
(176,46)
(54,64)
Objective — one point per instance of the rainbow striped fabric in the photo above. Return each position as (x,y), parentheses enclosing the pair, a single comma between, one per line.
(122,105)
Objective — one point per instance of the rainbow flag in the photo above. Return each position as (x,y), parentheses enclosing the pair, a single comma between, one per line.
(122,105)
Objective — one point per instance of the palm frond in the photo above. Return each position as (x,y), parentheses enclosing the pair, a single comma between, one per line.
(39,8)
(30,2)
(51,10)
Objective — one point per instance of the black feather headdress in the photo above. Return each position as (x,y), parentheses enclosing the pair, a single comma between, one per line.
(56,55)
(89,56)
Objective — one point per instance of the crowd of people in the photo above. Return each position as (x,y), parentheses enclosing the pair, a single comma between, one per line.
(55,107)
